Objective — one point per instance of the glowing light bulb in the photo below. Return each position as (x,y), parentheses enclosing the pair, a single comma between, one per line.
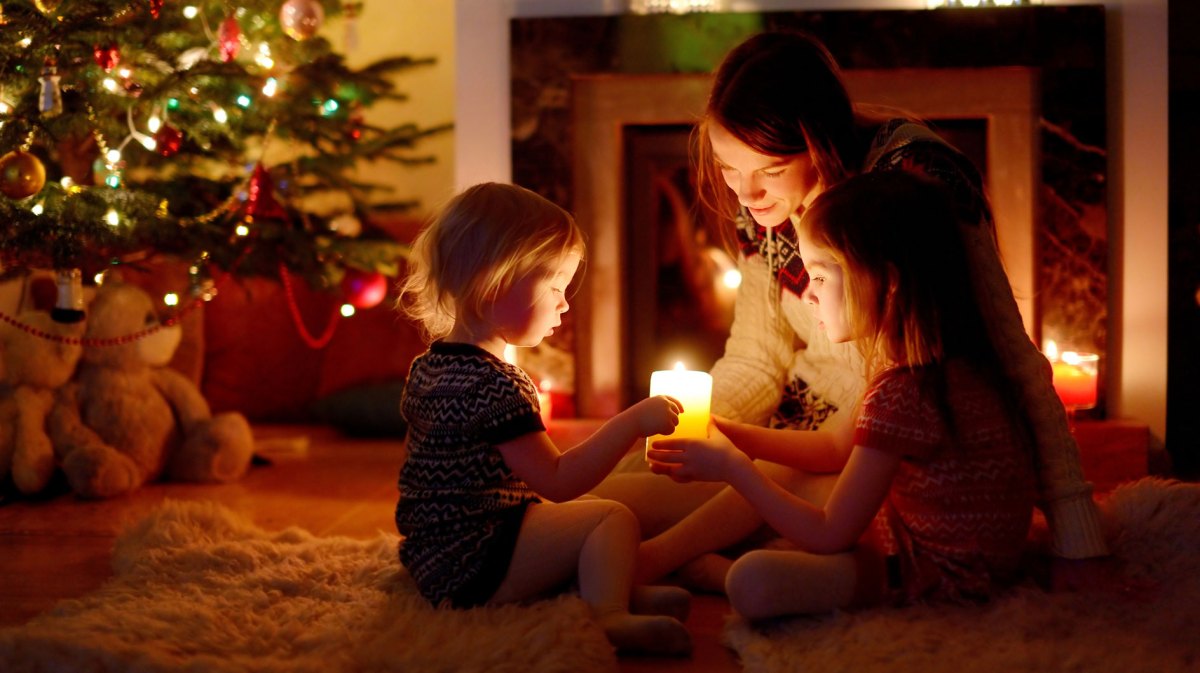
(112,218)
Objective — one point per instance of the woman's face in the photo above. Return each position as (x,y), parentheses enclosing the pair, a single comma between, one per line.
(770,188)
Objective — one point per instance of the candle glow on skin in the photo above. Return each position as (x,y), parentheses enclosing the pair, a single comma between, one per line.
(693,390)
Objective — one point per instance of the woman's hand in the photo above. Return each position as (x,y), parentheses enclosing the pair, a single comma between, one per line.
(712,459)
(656,415)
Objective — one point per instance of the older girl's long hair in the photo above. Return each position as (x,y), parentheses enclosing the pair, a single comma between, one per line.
(909,296)
(482,242)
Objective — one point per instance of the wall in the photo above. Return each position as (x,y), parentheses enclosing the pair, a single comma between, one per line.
(416,28)
(1137,87)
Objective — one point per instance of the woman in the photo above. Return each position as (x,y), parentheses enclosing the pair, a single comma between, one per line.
(780,128)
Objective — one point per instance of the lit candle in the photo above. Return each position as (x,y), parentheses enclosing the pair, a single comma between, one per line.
(1075,379)
(544,404)
(694,392)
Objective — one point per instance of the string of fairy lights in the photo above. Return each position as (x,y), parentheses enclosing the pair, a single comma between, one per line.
(168,112)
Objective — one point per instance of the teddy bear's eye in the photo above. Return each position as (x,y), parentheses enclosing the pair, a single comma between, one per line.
(151,319)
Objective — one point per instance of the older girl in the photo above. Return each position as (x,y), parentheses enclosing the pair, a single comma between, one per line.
(934,486)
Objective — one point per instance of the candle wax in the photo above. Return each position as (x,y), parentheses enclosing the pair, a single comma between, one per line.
(694,392)
(1075,384)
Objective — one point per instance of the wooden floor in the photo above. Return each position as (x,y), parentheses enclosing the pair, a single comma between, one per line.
(58,547)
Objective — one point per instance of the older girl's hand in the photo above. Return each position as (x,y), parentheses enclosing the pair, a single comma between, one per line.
(712,459)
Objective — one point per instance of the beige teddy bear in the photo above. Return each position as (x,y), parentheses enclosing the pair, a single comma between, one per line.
(128,419)
(34,363)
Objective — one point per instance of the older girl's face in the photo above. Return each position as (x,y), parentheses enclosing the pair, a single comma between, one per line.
(770,188)
(826,291)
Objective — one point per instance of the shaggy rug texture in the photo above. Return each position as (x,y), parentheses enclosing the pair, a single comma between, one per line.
(1154,528)
(198,588)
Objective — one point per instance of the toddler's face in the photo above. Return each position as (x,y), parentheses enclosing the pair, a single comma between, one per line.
(531,310)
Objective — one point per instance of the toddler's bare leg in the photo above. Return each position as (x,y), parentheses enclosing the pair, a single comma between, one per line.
(595,541)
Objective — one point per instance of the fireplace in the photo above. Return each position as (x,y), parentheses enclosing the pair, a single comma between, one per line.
(1021,90)
(622,125)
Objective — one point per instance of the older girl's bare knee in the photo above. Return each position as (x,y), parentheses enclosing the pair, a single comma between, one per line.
(750,586)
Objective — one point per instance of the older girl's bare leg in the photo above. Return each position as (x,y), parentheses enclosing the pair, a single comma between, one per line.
(768,583)
(719,523)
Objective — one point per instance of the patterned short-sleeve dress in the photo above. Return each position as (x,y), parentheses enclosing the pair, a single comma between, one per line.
(460,506)
(955,520)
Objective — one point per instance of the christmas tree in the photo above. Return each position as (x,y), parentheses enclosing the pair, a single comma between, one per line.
(223,133)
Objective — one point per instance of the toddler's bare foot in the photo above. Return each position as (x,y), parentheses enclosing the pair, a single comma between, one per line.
(663,600)
(646,635)
(705,573)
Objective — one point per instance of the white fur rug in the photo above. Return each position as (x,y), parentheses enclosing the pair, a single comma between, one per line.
(198,588)
(1154,527)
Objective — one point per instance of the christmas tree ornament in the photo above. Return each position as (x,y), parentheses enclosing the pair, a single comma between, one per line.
(350,12)
(47,7)
(229,38)
(301,19)
(167,140)
(260,197)
(346,225)
(106,56)
(364,289)
(50,100)
(354,126)
(68,306)
(156,8)
(21,174)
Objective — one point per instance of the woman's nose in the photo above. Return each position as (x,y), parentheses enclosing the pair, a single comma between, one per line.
(748,190)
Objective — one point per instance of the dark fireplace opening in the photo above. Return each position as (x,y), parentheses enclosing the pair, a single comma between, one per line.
(678,305)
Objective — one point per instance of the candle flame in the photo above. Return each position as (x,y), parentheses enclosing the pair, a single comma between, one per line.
(679,366)
(1051,349)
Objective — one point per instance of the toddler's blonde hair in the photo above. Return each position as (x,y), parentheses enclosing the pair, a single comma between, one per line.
(480,244)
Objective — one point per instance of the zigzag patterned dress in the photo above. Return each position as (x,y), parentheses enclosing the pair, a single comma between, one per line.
(958,511)
(460,506)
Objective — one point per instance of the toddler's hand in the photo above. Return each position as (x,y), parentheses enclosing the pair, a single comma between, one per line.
(656,415)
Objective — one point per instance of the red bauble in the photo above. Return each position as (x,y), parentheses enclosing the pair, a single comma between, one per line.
(229,36)
(168,140)
(106,56)
(364,289)
(260,196)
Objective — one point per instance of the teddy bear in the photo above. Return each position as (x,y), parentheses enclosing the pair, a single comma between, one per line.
(37,356)
(127,418)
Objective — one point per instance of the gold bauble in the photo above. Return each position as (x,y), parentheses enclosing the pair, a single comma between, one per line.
(47,6)
(21,174)
(301,19)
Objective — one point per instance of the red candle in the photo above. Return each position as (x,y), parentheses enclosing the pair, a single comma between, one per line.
(544,403)
(1075,379)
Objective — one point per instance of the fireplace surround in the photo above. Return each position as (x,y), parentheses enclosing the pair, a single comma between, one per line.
(1034,77)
